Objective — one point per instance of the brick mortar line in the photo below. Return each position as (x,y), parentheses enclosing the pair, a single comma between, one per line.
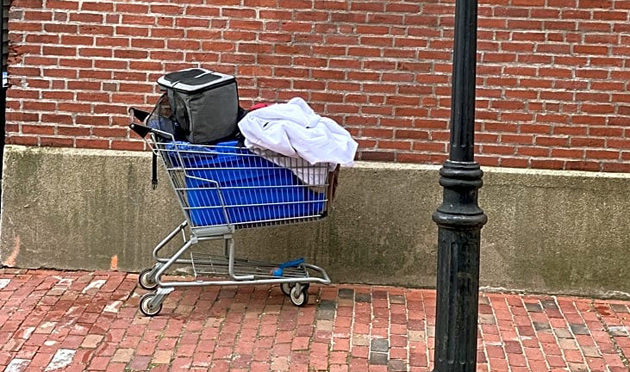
(331,345)
(590,334)
(516,330)
(514,327)
(370,328)
(579,347)
(234,356)
(389,332)
(618,349)
(408,345)
(429,352)
(351,332)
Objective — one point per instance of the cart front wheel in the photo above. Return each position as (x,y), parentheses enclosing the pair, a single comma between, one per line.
(146,279)
(299,295)
(286,288)
(147,305)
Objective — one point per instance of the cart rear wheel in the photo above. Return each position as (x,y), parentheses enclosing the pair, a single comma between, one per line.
(146,279)
(286,288)
(299,295)
(147,307)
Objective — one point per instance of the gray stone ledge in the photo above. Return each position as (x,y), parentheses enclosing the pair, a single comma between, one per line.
(548,231)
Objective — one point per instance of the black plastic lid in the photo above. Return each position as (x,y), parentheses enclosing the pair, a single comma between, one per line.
(193,80)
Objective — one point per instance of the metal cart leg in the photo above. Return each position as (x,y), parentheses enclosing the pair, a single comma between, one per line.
(230,245)
(171,261)
(146,278)
(168,239)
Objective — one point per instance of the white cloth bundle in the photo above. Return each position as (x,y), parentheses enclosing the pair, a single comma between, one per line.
(293,129)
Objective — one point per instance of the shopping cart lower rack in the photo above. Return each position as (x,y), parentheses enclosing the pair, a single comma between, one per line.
(226,187)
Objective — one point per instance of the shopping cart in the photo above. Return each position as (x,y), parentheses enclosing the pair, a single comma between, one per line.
(223,188)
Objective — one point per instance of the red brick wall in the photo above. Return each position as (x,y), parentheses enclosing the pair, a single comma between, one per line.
(553,75)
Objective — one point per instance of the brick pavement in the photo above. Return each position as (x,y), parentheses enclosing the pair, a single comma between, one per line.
(77,321)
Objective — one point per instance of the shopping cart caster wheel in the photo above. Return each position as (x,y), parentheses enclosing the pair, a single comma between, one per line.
(147,307)
(146,279)
(299,295)
(286,288)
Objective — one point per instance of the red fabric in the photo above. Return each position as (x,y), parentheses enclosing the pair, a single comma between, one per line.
(259,106)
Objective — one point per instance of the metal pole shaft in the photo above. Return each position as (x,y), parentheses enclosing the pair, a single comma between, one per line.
(459,218)
(464,75)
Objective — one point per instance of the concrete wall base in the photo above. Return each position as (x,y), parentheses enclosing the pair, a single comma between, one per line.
(548,231)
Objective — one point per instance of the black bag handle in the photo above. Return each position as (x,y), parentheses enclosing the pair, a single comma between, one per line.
(154,177)
(143,131)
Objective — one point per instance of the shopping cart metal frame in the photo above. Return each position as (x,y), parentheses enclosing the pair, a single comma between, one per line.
(294,281)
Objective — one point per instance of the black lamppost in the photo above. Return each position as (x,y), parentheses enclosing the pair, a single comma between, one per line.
(459,218)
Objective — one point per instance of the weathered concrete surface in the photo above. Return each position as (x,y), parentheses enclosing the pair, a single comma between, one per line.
(555,232)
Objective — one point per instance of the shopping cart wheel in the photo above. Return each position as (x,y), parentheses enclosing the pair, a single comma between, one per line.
(147,307)
(146,279)
(299,295)
(286,288)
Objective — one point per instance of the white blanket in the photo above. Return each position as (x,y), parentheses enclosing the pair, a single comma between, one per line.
(293,129)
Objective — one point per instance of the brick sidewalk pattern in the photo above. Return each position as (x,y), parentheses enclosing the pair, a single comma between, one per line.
(77,321)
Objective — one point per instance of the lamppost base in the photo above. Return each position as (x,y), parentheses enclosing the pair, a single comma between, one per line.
(459,221)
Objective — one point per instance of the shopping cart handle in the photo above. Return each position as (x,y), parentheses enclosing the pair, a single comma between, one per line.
(141,130)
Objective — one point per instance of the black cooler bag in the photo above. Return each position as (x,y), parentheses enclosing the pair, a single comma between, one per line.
(203,104)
